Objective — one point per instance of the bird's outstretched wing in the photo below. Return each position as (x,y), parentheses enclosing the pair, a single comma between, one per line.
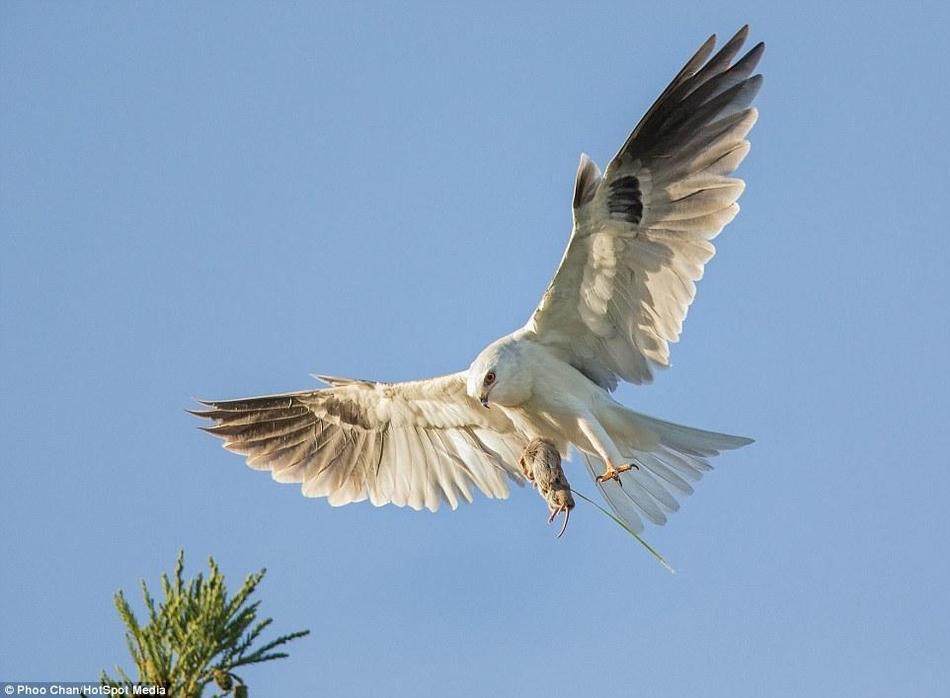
(417,444)
(642,231)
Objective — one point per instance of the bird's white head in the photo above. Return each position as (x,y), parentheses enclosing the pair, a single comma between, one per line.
(500,375)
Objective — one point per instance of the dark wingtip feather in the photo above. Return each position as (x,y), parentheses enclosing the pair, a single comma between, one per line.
(738,38)
(224,429)
(752,57)
(704,50)
(735,43)
(694,63)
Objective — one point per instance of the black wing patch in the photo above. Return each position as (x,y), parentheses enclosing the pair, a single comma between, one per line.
(625,202)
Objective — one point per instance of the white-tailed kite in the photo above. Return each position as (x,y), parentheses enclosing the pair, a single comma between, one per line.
(640,240)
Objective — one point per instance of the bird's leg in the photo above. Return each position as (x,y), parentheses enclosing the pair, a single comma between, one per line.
(601,442)
(613,472)
(541,464)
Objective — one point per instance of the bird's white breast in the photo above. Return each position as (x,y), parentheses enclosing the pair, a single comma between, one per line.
(560,396)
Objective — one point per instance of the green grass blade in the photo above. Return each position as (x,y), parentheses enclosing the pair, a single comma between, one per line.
(659,558)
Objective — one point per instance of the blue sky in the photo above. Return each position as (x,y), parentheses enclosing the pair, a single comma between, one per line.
(218,199)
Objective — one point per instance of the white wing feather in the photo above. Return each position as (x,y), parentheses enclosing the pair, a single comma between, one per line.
(418,444)
(641,232)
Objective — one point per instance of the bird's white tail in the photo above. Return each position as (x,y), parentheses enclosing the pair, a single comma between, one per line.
(668,457)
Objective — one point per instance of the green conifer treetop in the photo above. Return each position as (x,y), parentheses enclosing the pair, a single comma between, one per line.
(196,635)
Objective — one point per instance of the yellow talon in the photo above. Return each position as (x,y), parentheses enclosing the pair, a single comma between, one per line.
(612,473)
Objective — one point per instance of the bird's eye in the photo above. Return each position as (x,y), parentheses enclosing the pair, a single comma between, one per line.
(489,378)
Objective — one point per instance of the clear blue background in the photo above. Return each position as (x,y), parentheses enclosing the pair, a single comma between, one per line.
(216,199)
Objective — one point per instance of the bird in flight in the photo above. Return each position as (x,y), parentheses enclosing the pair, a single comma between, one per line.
(640,240)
